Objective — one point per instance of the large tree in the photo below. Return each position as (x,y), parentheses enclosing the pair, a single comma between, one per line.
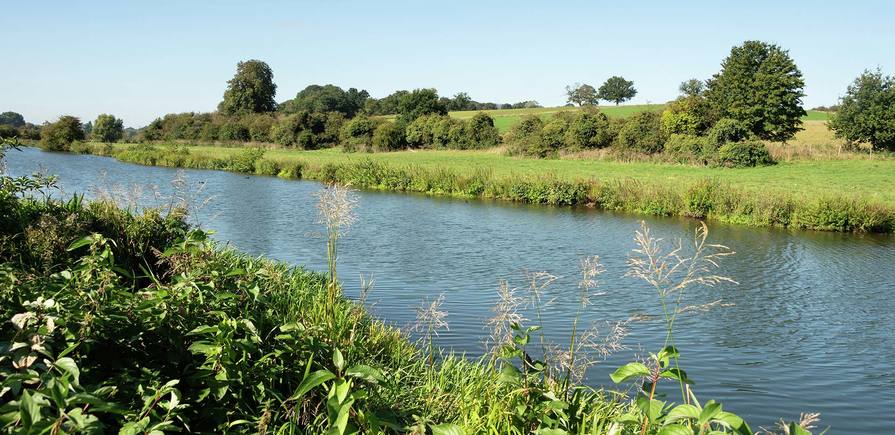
(692,88)
(867,111)
(419,102)
(760,86)
(12,118)
(327,98)
(617,90)
(251,90)
(582,95)
(107,128)
(60,134)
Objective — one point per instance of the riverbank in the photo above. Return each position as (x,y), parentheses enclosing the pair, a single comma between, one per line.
(841,195)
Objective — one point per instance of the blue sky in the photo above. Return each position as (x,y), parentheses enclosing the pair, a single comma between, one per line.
(141,59)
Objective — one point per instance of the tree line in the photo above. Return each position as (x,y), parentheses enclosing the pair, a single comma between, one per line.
(757,96)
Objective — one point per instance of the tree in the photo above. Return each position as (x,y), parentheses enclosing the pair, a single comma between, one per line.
(692,88)
(867,111)
(107,128)
(60,134)
(582,95)
(251,90)
(617,90)
(461,101)
(12,118)
(327,98)
(761,86)
(419,102)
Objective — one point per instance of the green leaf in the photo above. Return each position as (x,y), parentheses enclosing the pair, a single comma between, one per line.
(509,374)
(709,412)
(338,360)
(677,374)
(546,431)
(312,381)
(734,422)
(446,429)
(69,366)
(365,373)
(795,429)
(682,412)
(675,429)
(29,410)
(628,371)
(83,241)
(651,408)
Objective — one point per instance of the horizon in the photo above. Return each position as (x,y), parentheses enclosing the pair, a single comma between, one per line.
(139,62)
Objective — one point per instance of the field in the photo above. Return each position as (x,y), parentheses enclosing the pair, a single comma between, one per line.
(506,118)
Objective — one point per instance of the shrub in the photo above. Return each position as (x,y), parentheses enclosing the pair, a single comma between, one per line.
(552,137)
(357,134)
(689,148)
(867,111)
(642,133)
(233,130)
(8,131)
(419,133)
(589,128)
(260,127)
(290,169)
(686,115)
(244,160)
(525,135)
(728,130)
(388,136)
(60,134)
(744,154)
(481,131)
(107,128)
(266,167)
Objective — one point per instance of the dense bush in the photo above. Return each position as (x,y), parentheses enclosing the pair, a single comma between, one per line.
(744,154)
(8,131)
(481,131)
(867,111)
(687,115)
(388,136)
(688,148)
(642,133)
(589,128)
(444,132)
(357,133)
(107,128)
(525,136)
(60,134)
(728,130)
(326,98)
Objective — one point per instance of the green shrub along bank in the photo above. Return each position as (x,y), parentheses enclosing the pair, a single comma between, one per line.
(708,198)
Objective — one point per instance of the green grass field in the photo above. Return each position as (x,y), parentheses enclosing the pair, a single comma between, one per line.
(867,179)
(506,118)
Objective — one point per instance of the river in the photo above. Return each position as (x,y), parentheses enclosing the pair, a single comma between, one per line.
(808,327)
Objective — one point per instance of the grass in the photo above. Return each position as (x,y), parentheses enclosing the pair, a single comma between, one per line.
(506,118)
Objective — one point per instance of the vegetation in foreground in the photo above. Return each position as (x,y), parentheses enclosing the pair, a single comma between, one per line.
(135,323)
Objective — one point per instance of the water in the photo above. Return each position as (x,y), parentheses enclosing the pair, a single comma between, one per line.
(811,328)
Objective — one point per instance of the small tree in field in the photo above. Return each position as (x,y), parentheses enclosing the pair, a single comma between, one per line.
(582,95)
(867,111)
(60,134)
(617,90)
(760,86)
(692,88)
(107,128)
(251,90)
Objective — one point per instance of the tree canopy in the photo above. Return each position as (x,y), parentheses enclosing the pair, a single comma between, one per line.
(419,102)
(251,90)
(12,118)
(107,128)
(760,86)
(582,95)
(327,98)
(692,88)
(867,111)
(60,134)
(617,90)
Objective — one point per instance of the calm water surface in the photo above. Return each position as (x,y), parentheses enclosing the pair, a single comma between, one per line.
(810,328)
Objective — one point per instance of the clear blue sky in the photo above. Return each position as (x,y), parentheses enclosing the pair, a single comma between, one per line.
(139,60)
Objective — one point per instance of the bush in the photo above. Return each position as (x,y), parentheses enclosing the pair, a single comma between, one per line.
(107,128)
(589,128)
(388,136)
(481,131)
(688,148)
(420,132)
(260,127)
(552,137)
(8,131)
(60,134)
(290,169)
(244,160)
(525,135)
(728,130)
(686,115)
(744,154)
(233,130)
(357,134)
(266,167)
(642,133)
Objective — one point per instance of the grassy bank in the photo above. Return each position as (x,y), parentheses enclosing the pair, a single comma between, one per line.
(842,195)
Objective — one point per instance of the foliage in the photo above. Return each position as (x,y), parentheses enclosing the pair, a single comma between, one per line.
(525,137)
(582,95)
(441,131)
(419,102)
(867,111)
(60,134)
(12,119)
(107,128)
(760,86)
(589,128)
(692,88)
(481,131)
(728,130)
(687,115)
(617,90)
(744,154)
(327,98)
(388,136)
(251,90)
(8,131)
(357,134)
(642,133)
